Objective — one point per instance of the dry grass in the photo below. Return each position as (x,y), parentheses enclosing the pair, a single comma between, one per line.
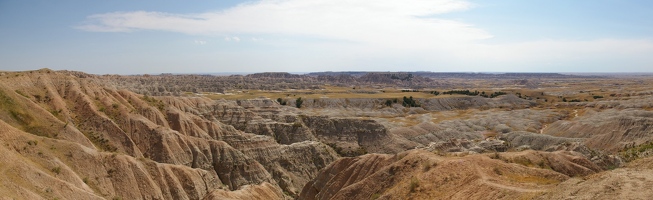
(452,115)
(489,134)
(328,92)
(410,120)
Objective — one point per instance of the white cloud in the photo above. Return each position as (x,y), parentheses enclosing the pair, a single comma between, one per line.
(390,32)
(200,42)
(229,39)
(398,24)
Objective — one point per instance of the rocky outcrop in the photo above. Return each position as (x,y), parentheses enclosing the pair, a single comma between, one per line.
(541,142)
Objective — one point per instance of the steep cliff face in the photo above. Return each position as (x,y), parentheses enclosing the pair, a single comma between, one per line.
(423,175)
(165,144)
(287,125)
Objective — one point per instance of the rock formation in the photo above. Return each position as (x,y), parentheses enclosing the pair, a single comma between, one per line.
(131,146)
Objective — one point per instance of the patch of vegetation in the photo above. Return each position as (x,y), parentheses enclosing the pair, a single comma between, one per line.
(21,93)
(427,165)
(299,102)
(56,170)
(55,112)
(5,101)
(101,142)
(495,155)
(414,184)
(154,102)
(110,172)
(336,148)
(282,101)
(348,153)
(493,95)
(463,92)
(360,151)
(388,102)
(522,161)
(21,117)
(32,142)
(544,164)
(635,152)
(410,102)
(497,171)
(37,97)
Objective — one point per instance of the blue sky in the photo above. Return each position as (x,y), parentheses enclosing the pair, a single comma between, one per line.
(135,37)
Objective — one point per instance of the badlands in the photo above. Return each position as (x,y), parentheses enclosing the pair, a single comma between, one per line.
(325,135)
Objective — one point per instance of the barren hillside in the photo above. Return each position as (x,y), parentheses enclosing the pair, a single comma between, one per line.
(66,134)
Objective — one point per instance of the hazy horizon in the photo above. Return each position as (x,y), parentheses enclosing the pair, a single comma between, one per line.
(305,73)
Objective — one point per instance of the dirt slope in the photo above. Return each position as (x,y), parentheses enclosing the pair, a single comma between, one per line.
(634,181)
(611,130)
(420,174)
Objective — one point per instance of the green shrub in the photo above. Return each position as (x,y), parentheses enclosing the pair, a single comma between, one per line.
(299,102)
(56,170)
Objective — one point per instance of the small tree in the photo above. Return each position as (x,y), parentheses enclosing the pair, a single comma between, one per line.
(388,102)
(281,101)
(299,102)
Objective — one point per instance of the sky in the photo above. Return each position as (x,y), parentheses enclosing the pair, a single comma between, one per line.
(201,36)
